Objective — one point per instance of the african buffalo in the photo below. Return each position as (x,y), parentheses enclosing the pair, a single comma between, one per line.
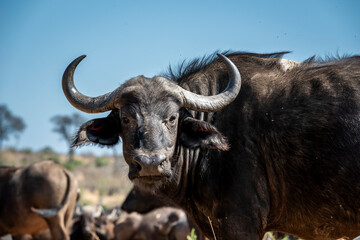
(282,154)
(164,223)
(144,202)
(35,198)
(94,224)
(83,226)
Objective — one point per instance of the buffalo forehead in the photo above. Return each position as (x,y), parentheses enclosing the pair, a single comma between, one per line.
(149,103)
(144,89)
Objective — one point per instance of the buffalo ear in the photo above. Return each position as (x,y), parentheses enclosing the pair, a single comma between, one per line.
(103,131)
(195,133)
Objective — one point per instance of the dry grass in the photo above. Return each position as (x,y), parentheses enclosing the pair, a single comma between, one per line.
(107,185)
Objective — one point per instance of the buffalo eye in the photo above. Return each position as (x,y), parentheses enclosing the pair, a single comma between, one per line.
(172,121)
(125,120)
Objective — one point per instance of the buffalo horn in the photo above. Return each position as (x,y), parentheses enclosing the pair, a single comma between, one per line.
(216,102)
(190,100)
(84,103)
(98,212)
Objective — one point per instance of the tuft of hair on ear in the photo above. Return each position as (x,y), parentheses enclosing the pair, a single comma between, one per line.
(219,143)
(80,138)
(100,131)
(196,133)
(76,142)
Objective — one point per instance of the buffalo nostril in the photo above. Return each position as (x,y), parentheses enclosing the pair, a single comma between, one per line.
(137,165)
(158,159)
(138,162)
(146,166)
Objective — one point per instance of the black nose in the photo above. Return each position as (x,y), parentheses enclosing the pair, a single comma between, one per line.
(149,165)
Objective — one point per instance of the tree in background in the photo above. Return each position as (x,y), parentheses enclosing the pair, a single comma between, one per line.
(9,125)
(66,126)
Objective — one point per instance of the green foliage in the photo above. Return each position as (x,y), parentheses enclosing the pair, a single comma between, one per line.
(84,202)
(101,162)
(26,150)
(10,125)
(69,166)
(101,186)
(3,160)
(47,150)
(105,207)
(72,164)
(270,236)
(11,149)
(192,235)
(66,124)
(54,158)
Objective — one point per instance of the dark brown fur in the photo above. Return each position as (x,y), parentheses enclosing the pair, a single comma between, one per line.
(294,135)
(42,185)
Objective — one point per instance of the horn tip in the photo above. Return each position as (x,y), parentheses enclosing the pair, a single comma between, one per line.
(77,60)
(223,57)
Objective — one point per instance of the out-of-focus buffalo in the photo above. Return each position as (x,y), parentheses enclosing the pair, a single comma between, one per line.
(160,224)
(94,224)
(35,198)
(144,202)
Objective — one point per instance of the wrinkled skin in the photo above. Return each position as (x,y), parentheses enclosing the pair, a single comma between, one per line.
(283,156)
(149,130)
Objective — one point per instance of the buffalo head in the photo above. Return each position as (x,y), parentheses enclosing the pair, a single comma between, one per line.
(151,116)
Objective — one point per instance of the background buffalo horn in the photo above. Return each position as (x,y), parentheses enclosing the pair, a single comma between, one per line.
(84,103)
(98,212)
(216,102)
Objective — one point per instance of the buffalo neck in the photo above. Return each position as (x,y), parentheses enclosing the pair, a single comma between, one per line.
(188,164)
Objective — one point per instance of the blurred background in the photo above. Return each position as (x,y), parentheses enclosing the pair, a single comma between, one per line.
(123,39)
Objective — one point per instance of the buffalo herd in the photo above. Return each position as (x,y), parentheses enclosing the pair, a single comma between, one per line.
(244,143)
(142,216)
(39,202)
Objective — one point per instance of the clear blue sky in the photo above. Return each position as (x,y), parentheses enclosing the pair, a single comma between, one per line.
(123,39)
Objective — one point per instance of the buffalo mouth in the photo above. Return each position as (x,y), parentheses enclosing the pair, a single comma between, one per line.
(151,179)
